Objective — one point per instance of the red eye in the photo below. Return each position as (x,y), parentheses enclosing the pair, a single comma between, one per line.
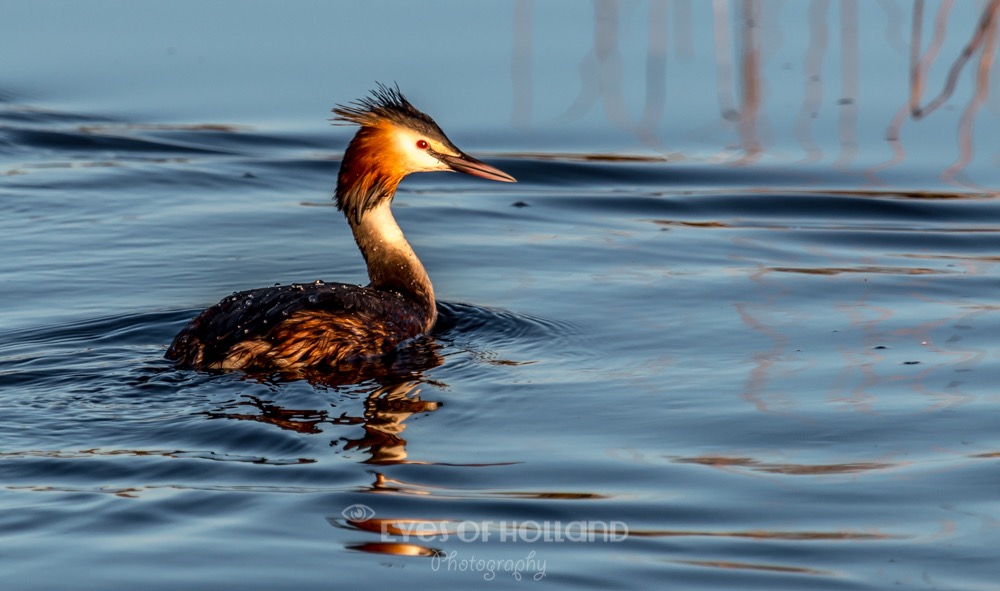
(422,144)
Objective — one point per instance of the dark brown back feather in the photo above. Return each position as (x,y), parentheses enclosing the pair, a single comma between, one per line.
(315,324)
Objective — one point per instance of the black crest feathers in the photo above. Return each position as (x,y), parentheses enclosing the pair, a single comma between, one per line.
(386,103)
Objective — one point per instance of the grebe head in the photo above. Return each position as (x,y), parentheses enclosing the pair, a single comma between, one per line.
(395,140)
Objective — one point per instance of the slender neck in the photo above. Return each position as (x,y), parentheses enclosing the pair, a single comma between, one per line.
(392,264)
(365,188)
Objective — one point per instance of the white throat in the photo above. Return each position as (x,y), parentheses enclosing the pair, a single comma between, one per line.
(382,225)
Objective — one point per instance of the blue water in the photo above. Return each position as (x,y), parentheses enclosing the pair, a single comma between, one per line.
(722,334)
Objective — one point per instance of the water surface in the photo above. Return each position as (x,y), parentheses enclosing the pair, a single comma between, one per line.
(722,333)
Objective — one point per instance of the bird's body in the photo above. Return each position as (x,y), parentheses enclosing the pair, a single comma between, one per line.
(330,325)
(320,325)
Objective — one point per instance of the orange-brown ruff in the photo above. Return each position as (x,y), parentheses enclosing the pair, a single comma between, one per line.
(329,325)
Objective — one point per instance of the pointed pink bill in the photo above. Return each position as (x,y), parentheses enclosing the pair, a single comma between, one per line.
(469,165)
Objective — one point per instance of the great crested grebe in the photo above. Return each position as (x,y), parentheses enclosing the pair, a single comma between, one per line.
(326,325)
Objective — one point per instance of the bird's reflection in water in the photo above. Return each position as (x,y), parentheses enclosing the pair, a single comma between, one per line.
(386,409)
(391,389)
